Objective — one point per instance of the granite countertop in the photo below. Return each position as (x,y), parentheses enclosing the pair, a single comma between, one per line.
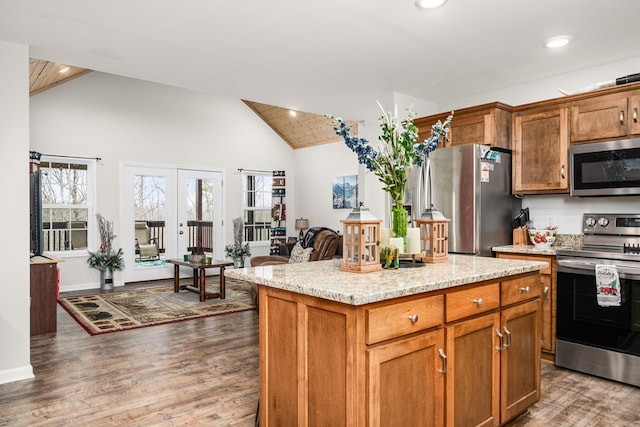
(324,279)
(564,241)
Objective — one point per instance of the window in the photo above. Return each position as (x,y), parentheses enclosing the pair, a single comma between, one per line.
(67,211)
(256,189)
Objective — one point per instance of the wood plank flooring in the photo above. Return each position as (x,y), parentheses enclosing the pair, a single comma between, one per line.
(205,372)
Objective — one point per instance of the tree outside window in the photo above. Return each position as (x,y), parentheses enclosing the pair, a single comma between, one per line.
(257,193)
(66,218)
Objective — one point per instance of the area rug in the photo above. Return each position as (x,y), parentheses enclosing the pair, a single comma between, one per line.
(122,310)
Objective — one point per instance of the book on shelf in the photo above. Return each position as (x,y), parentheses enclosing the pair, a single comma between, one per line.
(279,212)
(279,182)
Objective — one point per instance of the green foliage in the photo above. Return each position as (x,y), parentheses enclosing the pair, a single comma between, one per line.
(103,261)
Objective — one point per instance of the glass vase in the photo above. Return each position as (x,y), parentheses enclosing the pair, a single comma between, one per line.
(399,221)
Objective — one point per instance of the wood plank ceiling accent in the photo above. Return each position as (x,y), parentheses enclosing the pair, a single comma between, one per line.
(44,75)
(300,131)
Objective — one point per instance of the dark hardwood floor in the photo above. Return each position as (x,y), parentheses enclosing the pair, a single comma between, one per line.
(205,372)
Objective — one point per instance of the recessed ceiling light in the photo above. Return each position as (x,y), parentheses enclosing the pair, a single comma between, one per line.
(557,41)
(293,113)
(63,70)
(429,4)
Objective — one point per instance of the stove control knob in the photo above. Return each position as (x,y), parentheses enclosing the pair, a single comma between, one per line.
(590,222)
(603,222)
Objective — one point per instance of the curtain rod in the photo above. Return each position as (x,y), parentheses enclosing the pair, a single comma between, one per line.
(253,170)
(73,157)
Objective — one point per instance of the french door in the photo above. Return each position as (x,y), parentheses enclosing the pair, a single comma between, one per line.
(168,213)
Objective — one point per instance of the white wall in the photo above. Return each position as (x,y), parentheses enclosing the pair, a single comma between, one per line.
(126,120)
(14,227)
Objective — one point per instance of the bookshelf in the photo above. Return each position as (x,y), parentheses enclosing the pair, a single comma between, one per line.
(278,212)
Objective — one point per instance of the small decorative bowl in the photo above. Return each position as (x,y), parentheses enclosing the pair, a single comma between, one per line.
(542,238)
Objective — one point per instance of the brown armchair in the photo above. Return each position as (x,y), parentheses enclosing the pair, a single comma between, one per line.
(323,240)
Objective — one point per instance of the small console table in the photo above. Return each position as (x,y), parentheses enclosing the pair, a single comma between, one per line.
(199,276)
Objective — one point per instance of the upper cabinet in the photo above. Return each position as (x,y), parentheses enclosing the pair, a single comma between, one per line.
(540,151)
(606,116)
(488,124)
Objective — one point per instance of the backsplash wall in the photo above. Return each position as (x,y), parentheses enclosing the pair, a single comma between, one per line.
(566,211)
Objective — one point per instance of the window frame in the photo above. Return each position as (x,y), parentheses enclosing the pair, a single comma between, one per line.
(92,229)
(268,176)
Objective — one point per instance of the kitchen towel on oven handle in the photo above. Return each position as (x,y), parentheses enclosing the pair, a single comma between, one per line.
(608,290)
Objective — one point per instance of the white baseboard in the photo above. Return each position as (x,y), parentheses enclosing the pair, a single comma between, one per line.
(83,287)
(16,374)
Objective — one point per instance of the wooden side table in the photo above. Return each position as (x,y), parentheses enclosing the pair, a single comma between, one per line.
(199,277)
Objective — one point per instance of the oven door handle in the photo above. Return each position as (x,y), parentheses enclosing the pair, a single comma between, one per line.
(589,268)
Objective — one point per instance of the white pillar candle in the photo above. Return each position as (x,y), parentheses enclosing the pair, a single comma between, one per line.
(413,240)
(398,242)
(385,233)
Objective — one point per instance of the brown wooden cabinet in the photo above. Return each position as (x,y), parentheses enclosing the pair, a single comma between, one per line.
(540,151)
(605,117)
(548,283)
(494,365)
(43,291)
(488,124)
(399,362)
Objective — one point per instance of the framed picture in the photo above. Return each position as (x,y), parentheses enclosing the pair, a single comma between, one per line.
(345,192)
(292,239)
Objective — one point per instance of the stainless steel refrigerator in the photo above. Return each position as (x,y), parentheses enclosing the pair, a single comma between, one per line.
(471,186)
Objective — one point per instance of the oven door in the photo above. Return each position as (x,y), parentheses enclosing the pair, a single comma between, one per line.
(603,341)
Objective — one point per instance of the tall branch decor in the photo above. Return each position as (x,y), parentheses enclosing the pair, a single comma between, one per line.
(397,154)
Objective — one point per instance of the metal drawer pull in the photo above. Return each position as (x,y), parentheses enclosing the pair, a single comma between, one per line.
(414,318)
(621,117)
(444,361)
(478,302)
(525,290)
(508,334)
(546,294)
(635,115)
(562,172)
(501,338)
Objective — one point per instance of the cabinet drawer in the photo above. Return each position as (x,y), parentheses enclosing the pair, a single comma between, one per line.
(469,302)
(545,270)
(521,289)
(394,320)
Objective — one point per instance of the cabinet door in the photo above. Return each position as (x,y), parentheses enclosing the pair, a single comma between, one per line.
(43,292)
(471,130)
(406,383)
(599,117)
(634,114)
(473,382)
(520,359)
(540,152)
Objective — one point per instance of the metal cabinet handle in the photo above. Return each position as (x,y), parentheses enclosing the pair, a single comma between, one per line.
(562,172)
(444,361)
(508,334)
(621,118)
(525,290)
(546,294)
(414,318)
(478,302)
(501,338)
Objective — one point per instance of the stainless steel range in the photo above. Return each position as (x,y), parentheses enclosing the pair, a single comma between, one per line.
(591,336)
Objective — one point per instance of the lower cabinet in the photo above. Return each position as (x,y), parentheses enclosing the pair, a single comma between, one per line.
(463,357)
(43,293)
(406,381)
(548,282)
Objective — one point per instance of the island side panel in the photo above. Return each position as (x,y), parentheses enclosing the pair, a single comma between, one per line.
(307,360)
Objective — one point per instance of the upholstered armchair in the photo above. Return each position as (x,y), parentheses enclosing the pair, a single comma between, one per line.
(320,243)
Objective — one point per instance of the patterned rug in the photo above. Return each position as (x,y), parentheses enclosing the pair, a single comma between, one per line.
(122,310)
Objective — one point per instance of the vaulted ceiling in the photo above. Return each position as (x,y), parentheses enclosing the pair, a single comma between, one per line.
(297,128)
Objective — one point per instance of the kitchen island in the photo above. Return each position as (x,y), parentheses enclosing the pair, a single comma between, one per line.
(455,343)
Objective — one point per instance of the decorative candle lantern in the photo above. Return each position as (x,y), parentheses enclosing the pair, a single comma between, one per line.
(434,235)
(361,242)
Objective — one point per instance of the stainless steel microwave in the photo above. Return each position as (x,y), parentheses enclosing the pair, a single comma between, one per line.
(610,168)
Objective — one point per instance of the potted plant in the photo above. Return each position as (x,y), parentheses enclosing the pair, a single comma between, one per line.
(105,259)
(238,250)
